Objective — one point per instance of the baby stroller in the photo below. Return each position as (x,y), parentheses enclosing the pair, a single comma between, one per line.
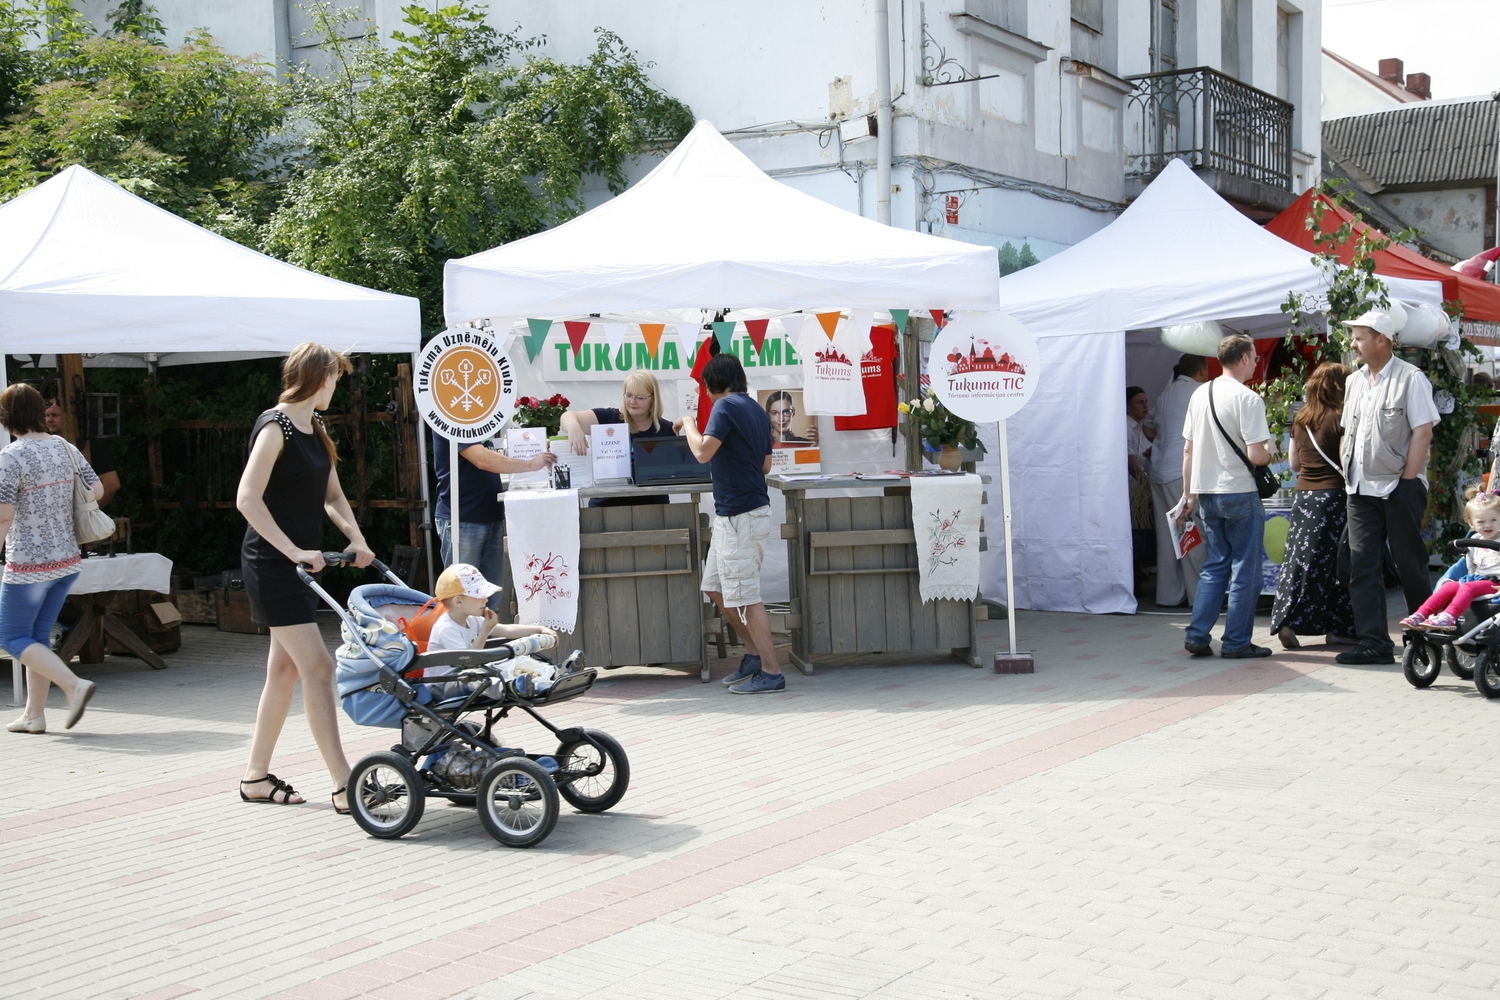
(1472,655)
(381,683)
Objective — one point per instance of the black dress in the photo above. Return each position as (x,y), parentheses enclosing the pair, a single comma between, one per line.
(294,495)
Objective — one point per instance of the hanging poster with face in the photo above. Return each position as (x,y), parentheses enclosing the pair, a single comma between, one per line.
(609,444)
(984,366)
(465,385)
(794,434)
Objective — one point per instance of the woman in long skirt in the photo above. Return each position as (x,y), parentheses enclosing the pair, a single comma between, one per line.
(1310,599)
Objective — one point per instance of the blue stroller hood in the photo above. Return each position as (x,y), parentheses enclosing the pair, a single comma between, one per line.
(392,648)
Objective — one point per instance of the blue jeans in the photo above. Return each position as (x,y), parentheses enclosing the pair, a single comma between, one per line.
(28,611)
(479,545)
(1234,526)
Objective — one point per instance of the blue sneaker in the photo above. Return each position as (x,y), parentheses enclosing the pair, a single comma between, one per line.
(761,683)
(749,667)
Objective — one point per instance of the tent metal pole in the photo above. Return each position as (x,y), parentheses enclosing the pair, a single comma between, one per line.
(426,497)
(1010,575)
(883,113)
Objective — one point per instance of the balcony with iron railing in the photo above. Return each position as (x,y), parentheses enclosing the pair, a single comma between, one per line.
(1214,122)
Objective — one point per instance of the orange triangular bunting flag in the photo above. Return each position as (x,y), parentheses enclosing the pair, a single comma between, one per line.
(652,334)
(757,331)
(829,322)
(937,318)
(577,330)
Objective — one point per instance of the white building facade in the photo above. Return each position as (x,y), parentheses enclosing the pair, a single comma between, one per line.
(1028,122)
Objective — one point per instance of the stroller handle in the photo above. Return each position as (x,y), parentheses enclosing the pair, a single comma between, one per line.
(1476,543)
(304,571)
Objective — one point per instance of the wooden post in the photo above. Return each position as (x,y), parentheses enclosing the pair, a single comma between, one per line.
(70,395)
(911,388)
(356,425)
(409,474)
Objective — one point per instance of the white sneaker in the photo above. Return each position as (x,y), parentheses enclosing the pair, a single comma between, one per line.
(25,725)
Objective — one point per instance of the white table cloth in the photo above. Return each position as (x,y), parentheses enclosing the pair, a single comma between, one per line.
(140,571)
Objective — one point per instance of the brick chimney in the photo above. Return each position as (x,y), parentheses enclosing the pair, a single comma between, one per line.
(1392,69)
(1419,84)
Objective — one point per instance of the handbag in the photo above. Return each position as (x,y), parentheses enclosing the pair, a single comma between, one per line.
(90,524)
(1267,483)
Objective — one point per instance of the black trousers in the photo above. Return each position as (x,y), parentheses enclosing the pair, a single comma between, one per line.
(1375,522)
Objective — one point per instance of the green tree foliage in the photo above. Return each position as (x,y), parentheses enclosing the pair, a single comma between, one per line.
(448,144)
(188,128)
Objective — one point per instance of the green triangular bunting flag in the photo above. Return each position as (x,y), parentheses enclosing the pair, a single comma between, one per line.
(725,333)
(898,316)
(537,337)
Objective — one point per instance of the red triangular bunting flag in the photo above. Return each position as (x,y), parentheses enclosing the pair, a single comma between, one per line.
(937,318)
(829,322)
(757,331)
(577,330)
(651,332)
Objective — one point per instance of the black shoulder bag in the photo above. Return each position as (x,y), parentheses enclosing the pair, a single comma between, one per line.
(1267,483)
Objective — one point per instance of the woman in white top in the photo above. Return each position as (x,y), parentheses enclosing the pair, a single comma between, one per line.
(41,552)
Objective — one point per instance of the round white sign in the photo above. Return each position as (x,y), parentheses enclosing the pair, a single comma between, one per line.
(984,366)
(465,385)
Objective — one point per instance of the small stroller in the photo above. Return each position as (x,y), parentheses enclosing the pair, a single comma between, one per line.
(380,681)
(1473,655)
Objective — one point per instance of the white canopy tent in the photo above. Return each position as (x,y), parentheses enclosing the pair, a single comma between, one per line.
(1178,254)
(707,229)
(88,268)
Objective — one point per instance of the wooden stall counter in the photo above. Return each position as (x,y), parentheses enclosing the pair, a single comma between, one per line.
(852,574)
(640,567)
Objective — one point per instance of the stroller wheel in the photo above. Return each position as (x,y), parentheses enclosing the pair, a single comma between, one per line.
(517,802)
(597,792)
(1420,662)
(1461,663)
(386,795)
(1487,672)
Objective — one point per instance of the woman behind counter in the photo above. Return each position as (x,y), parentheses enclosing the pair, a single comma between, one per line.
(640,410)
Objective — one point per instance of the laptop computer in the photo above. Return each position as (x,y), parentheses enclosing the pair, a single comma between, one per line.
(665,462)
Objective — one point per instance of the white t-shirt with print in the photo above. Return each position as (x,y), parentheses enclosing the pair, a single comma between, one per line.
(449,634)
(1216,468)
(833,383)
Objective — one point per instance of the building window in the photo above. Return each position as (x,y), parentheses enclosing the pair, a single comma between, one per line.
(1088,31)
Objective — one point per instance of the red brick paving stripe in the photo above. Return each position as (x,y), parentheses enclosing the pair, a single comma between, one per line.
(144,876)
(416,888)
(23,865)
(332,852)
(543,931)
(20,918)
(211,917)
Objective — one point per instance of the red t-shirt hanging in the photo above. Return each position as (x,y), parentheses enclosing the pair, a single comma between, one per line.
(878,367)
(705,404)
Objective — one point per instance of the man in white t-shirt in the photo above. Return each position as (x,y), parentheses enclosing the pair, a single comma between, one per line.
(1220,487)
(1389,415)
(1176,579)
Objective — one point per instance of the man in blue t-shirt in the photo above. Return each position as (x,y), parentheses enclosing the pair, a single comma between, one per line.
(736,445)
(481,514)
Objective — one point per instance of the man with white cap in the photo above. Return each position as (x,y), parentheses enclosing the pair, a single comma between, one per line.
(1388,419)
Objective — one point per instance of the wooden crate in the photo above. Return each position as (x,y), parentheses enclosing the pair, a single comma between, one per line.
(233,608)
(198,607)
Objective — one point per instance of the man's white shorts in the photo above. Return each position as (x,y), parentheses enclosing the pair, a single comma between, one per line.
(735,551)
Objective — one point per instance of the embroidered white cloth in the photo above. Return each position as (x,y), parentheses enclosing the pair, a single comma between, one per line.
(542,528)
(945,515)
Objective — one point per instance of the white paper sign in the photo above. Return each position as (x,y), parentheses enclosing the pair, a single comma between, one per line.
(790,461)
(984,366)
(610,446)
(522,443)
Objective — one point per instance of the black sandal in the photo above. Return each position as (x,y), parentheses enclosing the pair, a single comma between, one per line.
(337,792)
(277,785)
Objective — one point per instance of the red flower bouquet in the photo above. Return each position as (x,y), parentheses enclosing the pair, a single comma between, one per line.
(534,412)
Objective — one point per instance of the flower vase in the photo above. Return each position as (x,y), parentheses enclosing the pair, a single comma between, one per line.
(949,458)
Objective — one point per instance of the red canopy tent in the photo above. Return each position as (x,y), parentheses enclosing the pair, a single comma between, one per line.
(1480,298)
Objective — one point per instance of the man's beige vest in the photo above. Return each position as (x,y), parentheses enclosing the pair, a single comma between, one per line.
(1384,453)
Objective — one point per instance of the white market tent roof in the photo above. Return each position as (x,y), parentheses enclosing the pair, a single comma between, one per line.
(88,268)
(706,228)
(1178,254)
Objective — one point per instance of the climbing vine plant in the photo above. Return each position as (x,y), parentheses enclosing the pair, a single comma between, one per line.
(1354,288)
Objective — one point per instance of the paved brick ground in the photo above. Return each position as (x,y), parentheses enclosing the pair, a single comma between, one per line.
(1126,822)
